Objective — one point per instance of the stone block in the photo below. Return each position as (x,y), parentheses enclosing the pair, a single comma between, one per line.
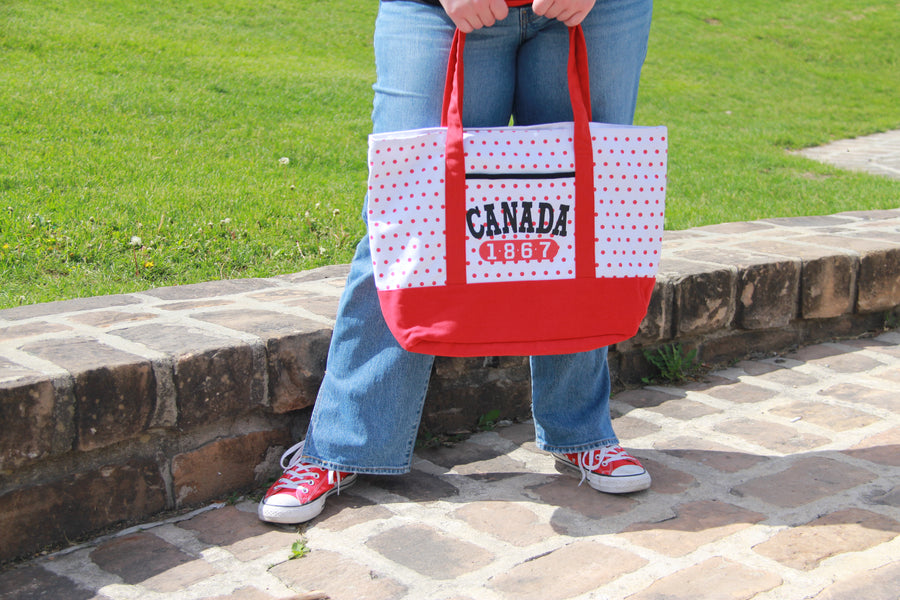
(879,281)
(767,291)
(115,391)
(215,384)
(296,366)
(37,414)
(827,275)
(295,347)
(222,467)
(704,295)
(66,306)
(80,504)
(209,289)
(464,389)
(211,376)
(657,324)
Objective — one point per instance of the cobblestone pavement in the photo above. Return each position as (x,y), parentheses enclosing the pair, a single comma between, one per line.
(878,154)
(776,478)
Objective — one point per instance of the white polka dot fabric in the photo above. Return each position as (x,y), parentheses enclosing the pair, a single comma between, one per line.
(520,209)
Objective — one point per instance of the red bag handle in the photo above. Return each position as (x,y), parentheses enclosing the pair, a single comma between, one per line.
(455,178)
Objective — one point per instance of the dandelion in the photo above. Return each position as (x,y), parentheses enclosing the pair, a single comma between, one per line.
(135,241)
(336,212)
(284,160)
(148,264)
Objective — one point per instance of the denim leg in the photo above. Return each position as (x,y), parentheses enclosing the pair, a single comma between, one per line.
(370,403)
(570,393)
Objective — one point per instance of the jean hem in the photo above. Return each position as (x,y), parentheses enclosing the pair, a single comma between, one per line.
(587,447)
(343,468)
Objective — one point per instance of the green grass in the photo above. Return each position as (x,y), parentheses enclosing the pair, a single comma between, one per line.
(141,144)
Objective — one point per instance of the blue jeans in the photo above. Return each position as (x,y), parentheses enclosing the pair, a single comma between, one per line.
(369,406)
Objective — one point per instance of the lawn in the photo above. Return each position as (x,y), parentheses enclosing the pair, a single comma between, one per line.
(156,144)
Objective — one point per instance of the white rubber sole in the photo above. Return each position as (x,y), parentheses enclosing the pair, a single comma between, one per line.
(292,515)
(624,484)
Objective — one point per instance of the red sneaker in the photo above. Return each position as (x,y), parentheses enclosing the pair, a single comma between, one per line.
(299,494)
(608,469)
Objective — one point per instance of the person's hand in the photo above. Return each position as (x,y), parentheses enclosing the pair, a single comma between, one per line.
(469,15)
(570,12)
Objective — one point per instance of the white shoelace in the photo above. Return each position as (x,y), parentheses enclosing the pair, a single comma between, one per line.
(594,459)
(303,472)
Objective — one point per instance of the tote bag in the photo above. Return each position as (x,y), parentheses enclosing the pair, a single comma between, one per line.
(516,240)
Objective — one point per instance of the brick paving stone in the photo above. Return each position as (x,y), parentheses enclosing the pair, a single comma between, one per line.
(336,577)
(346,510)
(646,398)
(890,375)
(684,409)
(519,433)
(705,452)
(415,486)
(563,491)
(717,578)
(756,368)
(848,363)
(855,392)
(742,392)
(150,561)
(882,448)
(627,427)
(815,352)
(788,377)
(874,345)
(512,523)
(430,552)
(836,418)
(252,593)
(878,584)
(239,532)
(695,524)
(852,530)
(773,436)
(570,571)
(807,480)
(31,582)
(667,480)
(458,455)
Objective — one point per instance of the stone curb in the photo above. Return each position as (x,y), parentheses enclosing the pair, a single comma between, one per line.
(174,397)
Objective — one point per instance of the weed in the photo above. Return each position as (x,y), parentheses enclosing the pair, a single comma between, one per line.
(672,362)
(299,549)
(488,421)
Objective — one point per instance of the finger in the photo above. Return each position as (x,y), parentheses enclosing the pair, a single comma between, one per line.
(499,10)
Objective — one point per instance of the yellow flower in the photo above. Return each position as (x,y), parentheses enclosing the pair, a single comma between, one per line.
(148,264)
